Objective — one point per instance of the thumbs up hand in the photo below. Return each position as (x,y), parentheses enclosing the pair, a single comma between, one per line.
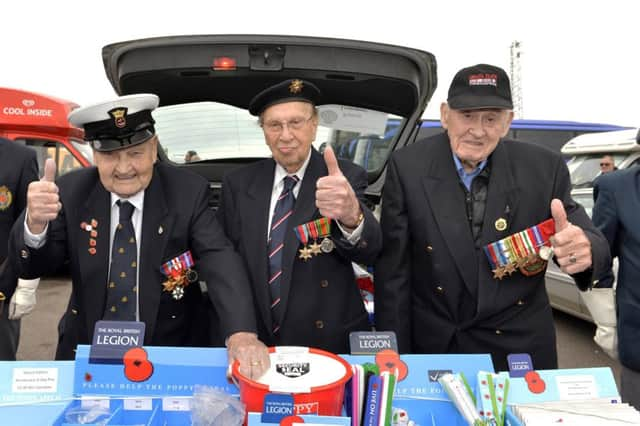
(571,246)
(335,197)
(43,202)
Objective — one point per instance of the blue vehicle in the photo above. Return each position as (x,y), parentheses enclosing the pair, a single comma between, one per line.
(371,151)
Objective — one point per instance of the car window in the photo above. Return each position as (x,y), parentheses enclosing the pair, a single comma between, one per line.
(209,131)
(584,168)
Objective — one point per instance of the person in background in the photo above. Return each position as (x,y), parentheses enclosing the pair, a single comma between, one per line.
(191,156)
(462,266)
(615,213)
(138,235)
(18,168)
(299,221)
(607,164)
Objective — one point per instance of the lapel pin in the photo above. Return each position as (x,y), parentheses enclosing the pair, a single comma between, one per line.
(501,224)
(160,230)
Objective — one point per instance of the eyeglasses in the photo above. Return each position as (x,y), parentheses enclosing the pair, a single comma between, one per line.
(605,164)
(276,127)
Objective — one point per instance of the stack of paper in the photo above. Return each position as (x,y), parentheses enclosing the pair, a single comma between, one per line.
(592,412)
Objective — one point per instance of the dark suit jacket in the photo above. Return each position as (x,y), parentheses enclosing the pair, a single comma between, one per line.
(176,218)
(617,214)
(434,285)
(18,168)
(321,301)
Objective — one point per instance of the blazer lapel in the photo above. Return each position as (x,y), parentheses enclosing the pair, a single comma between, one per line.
(304,210)
(256,208)
(502,199)
(156,227)
(96,212)
(446,200)
(502,202)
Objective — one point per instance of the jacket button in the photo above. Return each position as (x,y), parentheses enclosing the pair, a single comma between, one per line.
(319,324)
(324,283)
(439,289)
(24,254)
(74,312)
(520,302)
(498,332)
(429,249)
(362,244)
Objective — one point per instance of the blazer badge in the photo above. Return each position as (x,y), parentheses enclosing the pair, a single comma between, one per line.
(5,197)
(92,228)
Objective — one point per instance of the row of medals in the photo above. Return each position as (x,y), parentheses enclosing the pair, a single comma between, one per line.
(545,253)
(314,249)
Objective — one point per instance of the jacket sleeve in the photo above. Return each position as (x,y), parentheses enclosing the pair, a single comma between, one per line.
(393,268)
(366,250)
(222,269)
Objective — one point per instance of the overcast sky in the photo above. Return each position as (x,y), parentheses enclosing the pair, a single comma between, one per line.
(579,59)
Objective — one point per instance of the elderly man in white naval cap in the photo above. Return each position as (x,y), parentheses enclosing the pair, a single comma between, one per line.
(139,236)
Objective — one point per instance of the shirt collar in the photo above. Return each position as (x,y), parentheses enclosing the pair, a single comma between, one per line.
(460,168)
(281,172)
(137,200)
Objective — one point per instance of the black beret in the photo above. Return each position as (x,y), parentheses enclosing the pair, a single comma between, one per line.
(287,91)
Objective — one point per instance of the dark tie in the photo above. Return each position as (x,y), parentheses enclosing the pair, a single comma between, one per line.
(281,213)
(121,289)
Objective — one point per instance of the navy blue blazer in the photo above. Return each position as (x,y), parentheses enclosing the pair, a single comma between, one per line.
(434,285)
(176,218)
(18,168)
(321,301)
(616,213)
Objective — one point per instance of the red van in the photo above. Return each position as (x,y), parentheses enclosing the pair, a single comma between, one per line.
(40,121)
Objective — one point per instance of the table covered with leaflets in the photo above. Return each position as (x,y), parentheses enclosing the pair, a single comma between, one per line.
(184,386)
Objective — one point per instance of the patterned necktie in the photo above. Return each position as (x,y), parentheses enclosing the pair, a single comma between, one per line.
(121,290)
(281,213)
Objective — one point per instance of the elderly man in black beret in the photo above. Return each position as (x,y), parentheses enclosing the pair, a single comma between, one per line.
(299,221)
(139,236)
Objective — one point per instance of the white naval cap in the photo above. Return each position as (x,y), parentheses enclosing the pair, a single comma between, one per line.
(120,123)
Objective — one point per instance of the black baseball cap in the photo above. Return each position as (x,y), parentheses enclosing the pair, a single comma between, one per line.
(286,91)
(117,124)
(480,86)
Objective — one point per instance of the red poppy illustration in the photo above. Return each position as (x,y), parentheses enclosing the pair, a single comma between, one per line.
(137,366)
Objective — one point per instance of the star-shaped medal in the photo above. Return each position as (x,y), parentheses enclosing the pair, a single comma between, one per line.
(315,248)
(510,268)
(498,272)
(305,253)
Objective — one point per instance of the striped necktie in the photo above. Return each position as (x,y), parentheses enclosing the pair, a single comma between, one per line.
(121,289)
(281,213)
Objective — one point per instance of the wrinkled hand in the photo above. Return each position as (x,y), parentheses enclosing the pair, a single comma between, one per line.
(24,298)
(250,352)
(334,196)
(571,246)
(43,202)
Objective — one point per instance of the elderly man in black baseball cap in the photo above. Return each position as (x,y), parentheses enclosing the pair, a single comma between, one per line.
(139,237)
(469,221)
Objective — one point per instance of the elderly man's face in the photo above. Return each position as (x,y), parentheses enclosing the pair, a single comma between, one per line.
(474,134)
(290,143)
(126,172)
